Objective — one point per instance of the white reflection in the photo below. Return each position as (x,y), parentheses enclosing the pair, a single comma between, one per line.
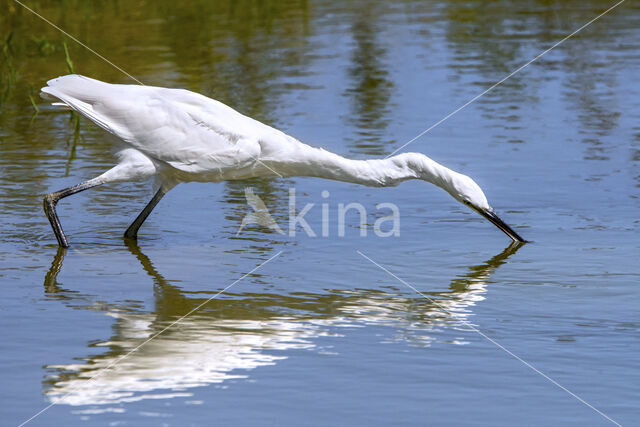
(214,346)
(200,352)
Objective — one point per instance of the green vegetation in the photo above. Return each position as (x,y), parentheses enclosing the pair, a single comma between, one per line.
(67,58)
(8,73)
(74,117)
(33,102)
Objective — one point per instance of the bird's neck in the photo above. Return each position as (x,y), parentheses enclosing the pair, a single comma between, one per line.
(316,162)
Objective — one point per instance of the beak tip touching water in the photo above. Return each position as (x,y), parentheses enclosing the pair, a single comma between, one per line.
(495,220)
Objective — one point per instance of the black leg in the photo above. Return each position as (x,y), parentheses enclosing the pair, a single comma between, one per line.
(132,231)
(51,200)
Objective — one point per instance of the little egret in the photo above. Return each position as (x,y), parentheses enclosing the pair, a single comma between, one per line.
(174,136)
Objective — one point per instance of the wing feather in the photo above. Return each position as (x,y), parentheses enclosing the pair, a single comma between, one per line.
(189,131)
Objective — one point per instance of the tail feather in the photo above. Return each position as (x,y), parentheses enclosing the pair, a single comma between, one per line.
(76,86)
(78,93)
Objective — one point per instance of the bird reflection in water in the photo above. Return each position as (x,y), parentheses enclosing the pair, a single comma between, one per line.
(227,338)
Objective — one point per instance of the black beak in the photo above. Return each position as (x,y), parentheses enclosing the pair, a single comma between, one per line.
(495,220)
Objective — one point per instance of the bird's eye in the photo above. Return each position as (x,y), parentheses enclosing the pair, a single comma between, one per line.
(466,202)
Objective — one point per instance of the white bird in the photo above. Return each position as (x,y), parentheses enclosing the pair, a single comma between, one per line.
(174,136)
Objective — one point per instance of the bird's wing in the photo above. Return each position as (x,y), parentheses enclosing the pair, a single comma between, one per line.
(189,131)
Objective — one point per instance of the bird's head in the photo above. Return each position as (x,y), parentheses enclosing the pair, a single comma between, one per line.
(466,191)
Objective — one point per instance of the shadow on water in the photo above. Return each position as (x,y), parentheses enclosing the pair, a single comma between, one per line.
(371,86)
(233,334)
(51,286)
(488,44)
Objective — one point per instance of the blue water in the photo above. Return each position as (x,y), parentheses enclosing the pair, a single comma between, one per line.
(540,334)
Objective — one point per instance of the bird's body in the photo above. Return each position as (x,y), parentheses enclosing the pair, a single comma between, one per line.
(174,136)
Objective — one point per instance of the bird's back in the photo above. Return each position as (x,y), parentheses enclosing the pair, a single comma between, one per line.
(184,129)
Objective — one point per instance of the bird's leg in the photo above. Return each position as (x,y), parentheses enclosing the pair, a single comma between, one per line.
(132,231)
(51,200)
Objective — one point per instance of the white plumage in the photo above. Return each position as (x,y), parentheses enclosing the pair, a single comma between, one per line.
(174,135)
